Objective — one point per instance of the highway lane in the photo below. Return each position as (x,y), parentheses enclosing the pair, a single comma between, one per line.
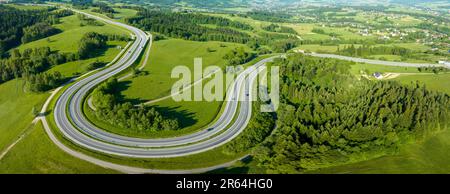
(70,119)
(75,127)
(223,121)
(205,145)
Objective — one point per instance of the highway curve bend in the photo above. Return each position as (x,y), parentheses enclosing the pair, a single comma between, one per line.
(72,123)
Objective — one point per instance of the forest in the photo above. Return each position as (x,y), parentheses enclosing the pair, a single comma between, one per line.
(38,31)
(31,61)
(109,108)
(189,26)
(365,50)
(238,56)
(43,81)
(259,127)
(89,43)
(280,29)
(82,4)
(328,117)
(87,21)
(103,8)
(15,23)
(268,16)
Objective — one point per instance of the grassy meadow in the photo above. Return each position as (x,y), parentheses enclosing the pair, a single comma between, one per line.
(16,107)
(36,154)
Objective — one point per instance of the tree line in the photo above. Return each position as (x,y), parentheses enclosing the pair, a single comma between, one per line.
(87,21)
(258,129)
(14,25)
(89,43)
(268,16)
(365,50)
(327,117)
(81,4)
(38,31)
(43,81)
(106,99)
(103,8)
(279,29)
(189,26)
(238,56)
(31,61)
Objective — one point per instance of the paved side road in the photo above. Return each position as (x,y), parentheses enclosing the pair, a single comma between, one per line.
(376,62)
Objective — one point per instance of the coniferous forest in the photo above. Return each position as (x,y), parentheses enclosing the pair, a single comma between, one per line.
(329,117)
(187,26)
(18,26)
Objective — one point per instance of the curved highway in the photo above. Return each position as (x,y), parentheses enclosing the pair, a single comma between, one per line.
(74,126)
(72,123)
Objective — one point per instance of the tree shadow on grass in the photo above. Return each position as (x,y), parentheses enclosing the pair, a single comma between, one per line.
(185,118)
(99,52)
(244,169)
(123,86)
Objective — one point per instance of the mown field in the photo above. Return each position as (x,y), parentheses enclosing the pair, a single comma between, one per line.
(16,110)
(167,54)
(407,75)
(123,13)
(434,82)
(36,154)
(358,68)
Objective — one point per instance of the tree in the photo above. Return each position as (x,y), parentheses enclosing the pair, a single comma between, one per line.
(90,42)
(238,56)
(34,111)
(124,114)
(323,122)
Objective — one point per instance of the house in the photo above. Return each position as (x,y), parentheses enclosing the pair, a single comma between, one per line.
(378,75)
(446,63)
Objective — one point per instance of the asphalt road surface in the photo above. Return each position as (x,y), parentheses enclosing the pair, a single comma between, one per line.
(75,127)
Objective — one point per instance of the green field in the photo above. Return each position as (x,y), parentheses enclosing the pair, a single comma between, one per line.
(429,156)
(77,67)
(36,154)
(434,82)
(16,110)
(370,69)
(123,13)
(192,115)
(67,41)
(26,7)
(16,105)
(167,54)
(428,58)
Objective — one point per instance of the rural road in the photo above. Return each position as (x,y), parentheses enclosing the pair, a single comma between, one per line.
(376,62)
